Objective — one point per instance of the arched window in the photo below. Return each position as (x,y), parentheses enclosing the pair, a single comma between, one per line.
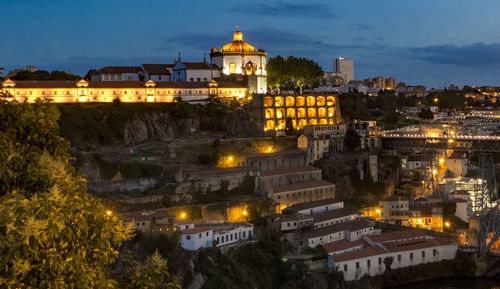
(232,68)
(290,101)
(300,101)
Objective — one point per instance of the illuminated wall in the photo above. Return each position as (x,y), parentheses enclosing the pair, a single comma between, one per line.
(82,91)
(302,110)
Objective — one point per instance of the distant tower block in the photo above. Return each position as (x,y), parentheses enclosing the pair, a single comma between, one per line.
(345,67)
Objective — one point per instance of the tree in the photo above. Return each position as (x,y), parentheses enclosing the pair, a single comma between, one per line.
(303,71)
(1,71)
(153,274)
(289,130)
(352,140)
(44,75)
(425,113)
(277,72)
(52,234)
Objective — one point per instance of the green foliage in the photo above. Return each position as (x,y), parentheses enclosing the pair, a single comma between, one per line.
(26,133)
(391,119)
(448,100)
(301,71)
(317,251)
(52,234)
(45,75)
(352,140)
(152,274)
(251,266)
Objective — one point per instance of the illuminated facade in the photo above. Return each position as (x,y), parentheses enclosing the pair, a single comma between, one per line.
(125,91)
(298,110)
(240,59)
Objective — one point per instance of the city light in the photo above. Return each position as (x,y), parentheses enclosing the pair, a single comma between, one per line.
(434,171)
(230,158)
(183,215)
(244,212)
(419,220)
(270,149)
(451,141)
(378,211)
(109,213)
(436,100)
(447,224)
(441,160)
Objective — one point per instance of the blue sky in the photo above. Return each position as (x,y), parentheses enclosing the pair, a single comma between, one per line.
(434,43)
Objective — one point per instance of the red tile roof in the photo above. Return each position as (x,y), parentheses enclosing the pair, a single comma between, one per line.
(398,235)
(413,245)
(343,244)
(302,186)
(195,230)
(122,84)
(157,69)
(277,172)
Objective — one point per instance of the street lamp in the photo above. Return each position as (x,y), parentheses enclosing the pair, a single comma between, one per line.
(109,212)
(183,215)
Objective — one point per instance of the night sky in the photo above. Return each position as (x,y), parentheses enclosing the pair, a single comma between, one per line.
(427,42)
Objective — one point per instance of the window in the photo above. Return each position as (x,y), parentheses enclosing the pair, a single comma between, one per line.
(423,254)
(232,68)
(345,267)
(357,265)
(205,79)
(434,252)
(368,263)
(399,258)
(207,234)
(191,79)
(411,256)
(188,237)
(198,79)
(199,235)
(379,260)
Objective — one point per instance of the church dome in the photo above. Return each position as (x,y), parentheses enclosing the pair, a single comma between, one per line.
(238,45)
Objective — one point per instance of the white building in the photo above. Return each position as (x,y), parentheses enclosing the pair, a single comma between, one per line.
(239,59)
(405,248)
(196,238)
(117,73)
(351,230)
(194,72)
(157,72)
(226,234)
(345,67)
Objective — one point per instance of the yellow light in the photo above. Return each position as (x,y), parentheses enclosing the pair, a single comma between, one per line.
(434,172)
(377,210)
(270,149)
(244,213)
(183,215)
(451,141)
(230,158)
(436,100)
(452,132)
(420,221)
(109,213)
(441,160)
(447,224)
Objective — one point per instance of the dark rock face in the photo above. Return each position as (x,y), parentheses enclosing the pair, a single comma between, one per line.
(158,126)
(241,124)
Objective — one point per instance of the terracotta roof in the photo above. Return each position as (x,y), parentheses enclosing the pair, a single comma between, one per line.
(398,235)
(292,217)
(314,204)
(118,69)
(196,230)
(350,226)
(277,172)
(365,252)
(157,69)
(412,245)
(342,245)
(333,214)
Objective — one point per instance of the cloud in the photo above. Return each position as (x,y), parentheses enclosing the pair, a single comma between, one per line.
(477,55)
(284,9)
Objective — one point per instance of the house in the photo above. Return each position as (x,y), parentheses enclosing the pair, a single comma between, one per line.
(461,208)
(394,210)
(275,160)
(151,223)
(196,238)
(288,176)
(458,163)
(289,222)
(231,233)
(157,72)
(333,217)
(398,249)
(194,72)
(117,73)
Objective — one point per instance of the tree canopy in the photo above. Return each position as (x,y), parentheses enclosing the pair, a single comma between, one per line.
(52,234)
(298,70)
(45,75)
(425,113)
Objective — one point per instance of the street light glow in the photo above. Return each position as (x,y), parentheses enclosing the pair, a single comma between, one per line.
(109,213)
(447,224)
(183,215)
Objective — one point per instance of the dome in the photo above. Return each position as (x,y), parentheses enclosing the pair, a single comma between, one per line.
(238,45)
